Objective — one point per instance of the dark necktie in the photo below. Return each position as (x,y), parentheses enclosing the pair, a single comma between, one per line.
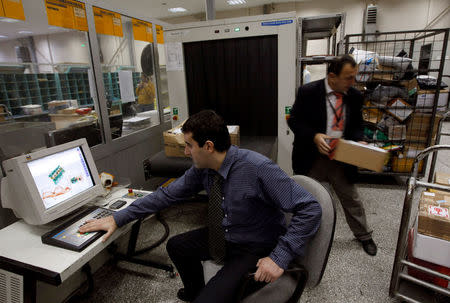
(215,217)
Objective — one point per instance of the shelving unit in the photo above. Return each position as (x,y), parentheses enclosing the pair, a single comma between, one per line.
(23,89)
(400,115)
(319,28)
(112,89)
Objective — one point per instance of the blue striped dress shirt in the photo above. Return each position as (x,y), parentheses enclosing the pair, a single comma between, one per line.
(256,192)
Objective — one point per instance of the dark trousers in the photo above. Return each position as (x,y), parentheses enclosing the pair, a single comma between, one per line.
(326,170)
(189,249)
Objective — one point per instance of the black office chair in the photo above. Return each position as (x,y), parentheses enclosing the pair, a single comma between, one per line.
(305,271)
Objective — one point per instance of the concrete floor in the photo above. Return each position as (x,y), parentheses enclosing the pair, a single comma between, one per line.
(351,275)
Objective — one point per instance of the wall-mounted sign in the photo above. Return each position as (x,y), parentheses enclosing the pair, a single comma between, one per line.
(159,34)
(142,30)
(12,9)
(67,13)
(107,22)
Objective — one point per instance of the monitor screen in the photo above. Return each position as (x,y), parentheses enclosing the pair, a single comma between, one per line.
(60,176)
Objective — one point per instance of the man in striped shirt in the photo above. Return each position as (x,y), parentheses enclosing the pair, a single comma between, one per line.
(252,194)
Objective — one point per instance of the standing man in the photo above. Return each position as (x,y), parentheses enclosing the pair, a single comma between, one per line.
(248,194)
(325,109)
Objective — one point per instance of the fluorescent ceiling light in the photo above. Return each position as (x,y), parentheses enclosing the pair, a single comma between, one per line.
(25,32)
(9,20)
(3,36)
(236,2)
(177,9)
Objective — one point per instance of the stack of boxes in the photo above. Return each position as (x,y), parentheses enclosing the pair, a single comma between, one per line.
(430,242)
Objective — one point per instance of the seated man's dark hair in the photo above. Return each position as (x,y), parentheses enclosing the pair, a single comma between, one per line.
(338,63)
(207,125)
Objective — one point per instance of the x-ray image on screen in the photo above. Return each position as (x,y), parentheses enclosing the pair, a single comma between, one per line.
(61,176)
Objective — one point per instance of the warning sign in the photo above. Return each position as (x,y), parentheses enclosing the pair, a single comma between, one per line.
(67,14)
(107,22)
(142,30)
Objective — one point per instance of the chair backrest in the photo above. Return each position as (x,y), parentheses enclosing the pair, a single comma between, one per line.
(318,250)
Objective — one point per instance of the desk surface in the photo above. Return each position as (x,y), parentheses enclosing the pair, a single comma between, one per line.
(22,250)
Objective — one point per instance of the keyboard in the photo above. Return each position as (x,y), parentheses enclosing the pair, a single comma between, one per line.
(67,236)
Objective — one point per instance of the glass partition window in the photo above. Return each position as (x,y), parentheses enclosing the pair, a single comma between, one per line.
(46,87)
(127,59)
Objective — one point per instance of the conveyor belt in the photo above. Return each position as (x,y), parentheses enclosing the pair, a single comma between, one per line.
(174,167)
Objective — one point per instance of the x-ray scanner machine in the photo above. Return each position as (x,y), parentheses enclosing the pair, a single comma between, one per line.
(244,68)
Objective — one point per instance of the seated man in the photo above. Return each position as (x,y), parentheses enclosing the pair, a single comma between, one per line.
(246,230)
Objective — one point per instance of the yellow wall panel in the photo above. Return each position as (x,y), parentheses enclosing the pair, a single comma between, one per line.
(159,34)
(107,22)
(13,9)
(142,30)
(67,13)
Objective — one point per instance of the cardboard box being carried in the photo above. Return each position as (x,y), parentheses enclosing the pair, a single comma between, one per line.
(361,155)
(174,140)
(434,218)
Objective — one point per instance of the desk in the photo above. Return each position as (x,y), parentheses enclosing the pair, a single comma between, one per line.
(22,252)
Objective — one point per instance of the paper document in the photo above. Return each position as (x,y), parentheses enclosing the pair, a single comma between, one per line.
(126,86)
(174,56)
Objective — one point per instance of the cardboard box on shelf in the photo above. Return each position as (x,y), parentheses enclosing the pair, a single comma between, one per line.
(174,140)
(235,136)
(372,115)
(442,179)
(63,120)
(399,109)
(397,132)
(410,85)
(360,155)
(404,165)
(418,126)
(56,105)
(425,98)
(434,217)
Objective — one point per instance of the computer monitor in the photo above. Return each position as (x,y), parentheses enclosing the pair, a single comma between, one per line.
(47,184)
